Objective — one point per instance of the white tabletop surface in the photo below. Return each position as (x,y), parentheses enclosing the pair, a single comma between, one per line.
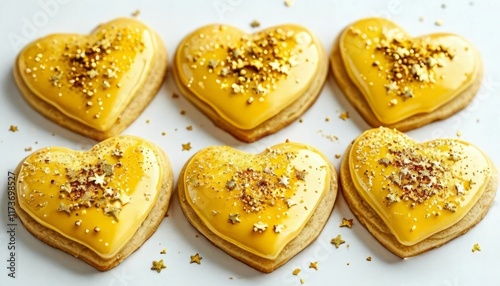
(452,264)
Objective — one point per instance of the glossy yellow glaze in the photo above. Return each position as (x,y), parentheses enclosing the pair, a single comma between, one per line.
(279,188)
(297,51)
(45,180)
(122,52)
(358,46)
(457,171)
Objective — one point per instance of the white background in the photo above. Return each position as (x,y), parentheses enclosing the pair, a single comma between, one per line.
(452,264)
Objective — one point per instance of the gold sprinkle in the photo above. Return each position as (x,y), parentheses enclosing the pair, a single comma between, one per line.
(158,266)
(369,258)
(296,271)
(346,223)
(186,146)
(337,156)
(78,222)
(255,24)
(196,259)
(163,133)
(97,229)
(189,128)
(260,227)
(163,251)
(337,241)
(13,128)
(327,119)
(234,218)
(314,265)
(344,115)
(476,247)
(136,13)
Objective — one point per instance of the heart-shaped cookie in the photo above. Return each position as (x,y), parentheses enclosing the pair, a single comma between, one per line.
(94,84)
(415,196)
(398,81)
(261,209)
(100,205)
(251,85)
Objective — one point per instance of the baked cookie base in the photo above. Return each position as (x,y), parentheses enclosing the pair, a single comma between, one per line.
(367,216)
(356,98)
(275,123)
(308,234)
(147,228)
(144,96)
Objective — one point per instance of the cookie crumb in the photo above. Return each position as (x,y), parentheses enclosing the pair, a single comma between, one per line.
(301,120)
(421,18)
(186,146)
(28,149)
(13,128)
(369,258)
(459,133)
(163,251)
(439,22)
(189,128)
(147,121)
(289,3)
(476,247)
(296,271)
(337,156)
(183,112)
(196,259)
(443,6)
(302,281)
(163,133)
(255,24)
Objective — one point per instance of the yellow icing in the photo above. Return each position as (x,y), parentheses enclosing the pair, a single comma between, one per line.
(117,208)
(453,175)
(285,70)
(452,73)
(112,62)
(280,188)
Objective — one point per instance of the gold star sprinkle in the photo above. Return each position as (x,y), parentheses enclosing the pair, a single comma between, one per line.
(344,115)
(476,247)
(296,271)
(13,128)
(186,147)
(158,266)
(234,218)
(346,223)
(337,241)
(260,226)
(314,265)
(391,86)
(98,180)
(196,258)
